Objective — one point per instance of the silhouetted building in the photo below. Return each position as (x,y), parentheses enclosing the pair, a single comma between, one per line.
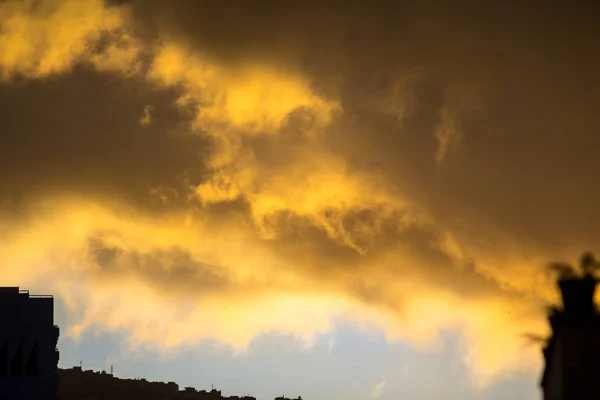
(572,353)
(28,352)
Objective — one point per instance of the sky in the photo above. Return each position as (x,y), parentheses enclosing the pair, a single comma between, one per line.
(338,202)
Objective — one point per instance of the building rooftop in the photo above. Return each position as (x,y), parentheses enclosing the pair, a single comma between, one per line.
(12,290)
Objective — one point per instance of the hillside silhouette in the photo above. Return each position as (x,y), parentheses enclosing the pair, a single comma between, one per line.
(78,384)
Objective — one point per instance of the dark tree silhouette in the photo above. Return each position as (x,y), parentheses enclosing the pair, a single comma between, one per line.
(571,352)
(588,267)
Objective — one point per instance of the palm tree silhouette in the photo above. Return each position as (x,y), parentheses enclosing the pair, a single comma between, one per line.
(588,266)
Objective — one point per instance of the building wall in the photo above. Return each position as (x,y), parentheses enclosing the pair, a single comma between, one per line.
(581,355)
(554,380)
(28,340)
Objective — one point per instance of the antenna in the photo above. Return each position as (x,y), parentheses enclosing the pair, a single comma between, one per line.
(112,370)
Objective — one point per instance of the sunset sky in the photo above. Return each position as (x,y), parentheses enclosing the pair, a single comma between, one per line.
(338,200)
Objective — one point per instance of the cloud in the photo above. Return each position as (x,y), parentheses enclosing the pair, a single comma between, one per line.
(45,37)
(447,135)
(104,259)
(409,169)
(146,118)
(378,390)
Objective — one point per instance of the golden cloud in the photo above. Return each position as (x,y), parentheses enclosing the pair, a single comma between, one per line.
(335,239)
(247,106)
(47,37)
(233,280)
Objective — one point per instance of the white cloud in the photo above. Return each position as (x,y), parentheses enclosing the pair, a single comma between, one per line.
(331,342)
(378,390)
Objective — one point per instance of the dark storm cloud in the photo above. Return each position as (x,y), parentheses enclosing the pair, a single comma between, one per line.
(522,99)
(476,121)
(160,268)
(81,132)
(327,260)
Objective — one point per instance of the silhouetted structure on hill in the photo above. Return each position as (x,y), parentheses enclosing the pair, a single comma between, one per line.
(77,384)
(28,352)
(572,353)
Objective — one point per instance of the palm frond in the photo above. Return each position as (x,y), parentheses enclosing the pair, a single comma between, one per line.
(564,270)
